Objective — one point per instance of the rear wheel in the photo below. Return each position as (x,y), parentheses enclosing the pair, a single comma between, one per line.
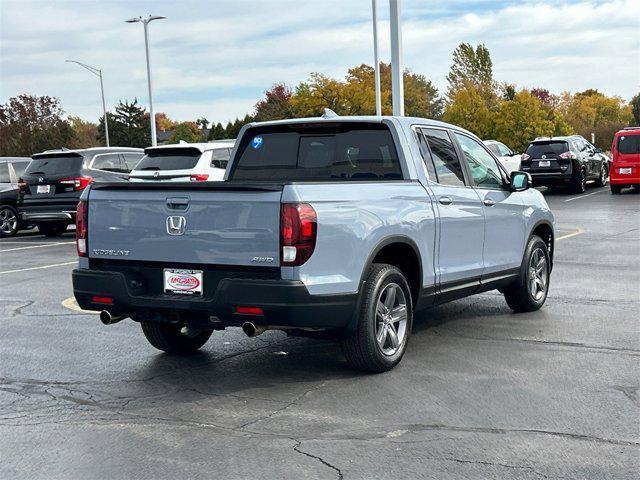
(384,322)
(53,229)
(602,178)
(172,338)
(616,189)
(580,183)
(8,221)
(529,292)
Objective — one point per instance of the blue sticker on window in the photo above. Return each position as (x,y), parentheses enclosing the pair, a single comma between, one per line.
(257,142)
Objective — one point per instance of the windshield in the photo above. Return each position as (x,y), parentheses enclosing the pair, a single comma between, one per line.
(317,152)
(178,159)
(629,144)
(55,166)
(549,149)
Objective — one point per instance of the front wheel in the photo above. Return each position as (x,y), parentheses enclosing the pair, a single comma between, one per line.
(384,321)
(601,181)
(173,338)
(53,229)
(530,291)
(9,223)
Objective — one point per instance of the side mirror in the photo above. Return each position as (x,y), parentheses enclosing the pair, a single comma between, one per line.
(598,150)
(520,181)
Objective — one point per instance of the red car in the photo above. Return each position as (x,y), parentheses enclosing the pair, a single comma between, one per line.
(625,168)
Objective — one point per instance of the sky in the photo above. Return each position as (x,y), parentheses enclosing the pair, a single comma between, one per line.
(215,58)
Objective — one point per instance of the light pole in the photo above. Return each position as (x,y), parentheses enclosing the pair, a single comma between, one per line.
(145,23)
(397,87)
(98,73)
(376,68)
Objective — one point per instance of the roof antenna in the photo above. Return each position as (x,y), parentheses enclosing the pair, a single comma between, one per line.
(328,113)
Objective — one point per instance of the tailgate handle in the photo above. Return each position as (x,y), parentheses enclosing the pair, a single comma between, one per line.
(178,203)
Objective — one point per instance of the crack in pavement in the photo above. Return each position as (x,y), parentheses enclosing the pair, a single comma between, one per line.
(297,449)
(504,465)
(630,392)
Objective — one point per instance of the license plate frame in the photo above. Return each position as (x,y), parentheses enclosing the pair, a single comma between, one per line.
(180,281)
(43,189)
(544,163)
(625,171)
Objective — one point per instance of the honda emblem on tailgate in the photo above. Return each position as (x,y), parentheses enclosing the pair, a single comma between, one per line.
(176,225)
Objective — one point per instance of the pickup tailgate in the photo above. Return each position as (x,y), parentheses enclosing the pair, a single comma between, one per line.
(213,223)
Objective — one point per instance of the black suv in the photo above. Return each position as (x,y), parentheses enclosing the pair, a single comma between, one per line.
(51,185)
(572,161)
(11,168)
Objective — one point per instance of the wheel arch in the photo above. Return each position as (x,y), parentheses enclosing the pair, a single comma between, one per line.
(544,230)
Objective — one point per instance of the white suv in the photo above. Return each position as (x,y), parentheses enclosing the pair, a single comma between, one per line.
(183,162)
(508,158)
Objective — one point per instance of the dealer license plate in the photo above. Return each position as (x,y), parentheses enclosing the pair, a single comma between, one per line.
(544,163)
(44,189)
(625,171)
(182,282)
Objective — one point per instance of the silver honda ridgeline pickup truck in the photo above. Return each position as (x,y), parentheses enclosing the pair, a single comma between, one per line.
(340,226)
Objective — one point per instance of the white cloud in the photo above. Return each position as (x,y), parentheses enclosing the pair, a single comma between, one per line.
(214,59)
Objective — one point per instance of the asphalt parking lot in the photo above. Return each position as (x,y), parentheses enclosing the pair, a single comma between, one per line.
(481,392)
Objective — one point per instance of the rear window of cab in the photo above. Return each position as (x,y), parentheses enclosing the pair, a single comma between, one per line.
(629,144)
(350,151)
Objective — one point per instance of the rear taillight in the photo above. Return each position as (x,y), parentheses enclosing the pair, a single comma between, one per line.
(199,177)
(79,183)
(298,231)
(22,186)
(525,157)
(82,222)
(569,155)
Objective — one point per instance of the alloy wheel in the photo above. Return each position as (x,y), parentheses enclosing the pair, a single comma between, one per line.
(391,319)
(8,221)
(538,274)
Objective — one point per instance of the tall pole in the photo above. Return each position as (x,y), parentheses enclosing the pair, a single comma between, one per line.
(397,87)
(104,112)
(98,73)
(154,141)
(376,68)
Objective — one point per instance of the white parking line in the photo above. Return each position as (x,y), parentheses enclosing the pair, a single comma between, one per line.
(587,195)
(36,246)
(39,268)
(578,231)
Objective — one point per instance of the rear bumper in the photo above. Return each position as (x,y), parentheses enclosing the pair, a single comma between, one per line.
(285,303)
(47,213)
(539,178)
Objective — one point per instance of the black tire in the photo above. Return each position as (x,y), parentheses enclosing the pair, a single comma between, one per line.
(579,184)
(519,296)
(170,338)
(615,189)
(9,221)
(601,181)
(52,229)
(362,349)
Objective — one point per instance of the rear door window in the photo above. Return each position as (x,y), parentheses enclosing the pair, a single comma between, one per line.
(551,149)
(318,152)
(220,157)
(167,159)
(446,164)
(19,168)
(629,144)
(4,173)
(55,165)
(111,162)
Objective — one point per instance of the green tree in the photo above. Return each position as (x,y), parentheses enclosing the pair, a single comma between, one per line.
(471,67)
(520,120)
(128,127)
(85,133)
(635,109)
(233,128)
(31,124)
(469,110)
(276,105)
(186,131)
(217,132)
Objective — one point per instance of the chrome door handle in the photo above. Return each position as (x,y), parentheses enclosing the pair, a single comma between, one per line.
(488,202)
(445,200)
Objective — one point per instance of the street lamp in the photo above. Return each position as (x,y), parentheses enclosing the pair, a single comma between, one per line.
(98,73)
(376,68)
(145,22)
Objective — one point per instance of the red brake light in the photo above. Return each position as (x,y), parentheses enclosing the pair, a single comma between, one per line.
(79,183)
(298,232)
(22,185)
(249,310)
(568,155)
(82,221)
(103,300)
(199,177)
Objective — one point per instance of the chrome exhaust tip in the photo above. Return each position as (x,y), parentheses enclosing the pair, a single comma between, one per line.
(107,319)
(252,330)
